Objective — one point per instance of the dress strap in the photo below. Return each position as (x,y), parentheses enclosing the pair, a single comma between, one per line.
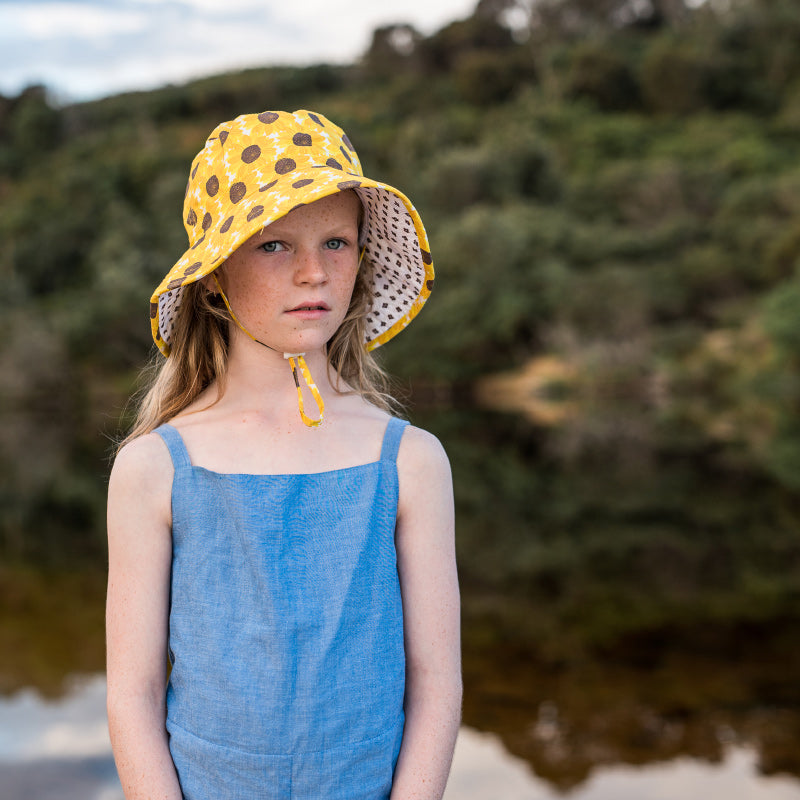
(391,438)
(174,442)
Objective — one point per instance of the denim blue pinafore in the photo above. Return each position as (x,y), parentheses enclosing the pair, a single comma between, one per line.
(285,631)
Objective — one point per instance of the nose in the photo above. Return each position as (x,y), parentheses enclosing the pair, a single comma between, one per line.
(311,268)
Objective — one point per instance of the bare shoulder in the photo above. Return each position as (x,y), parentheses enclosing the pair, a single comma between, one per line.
(421,451)
(426,486)
(141,478)
(145,460)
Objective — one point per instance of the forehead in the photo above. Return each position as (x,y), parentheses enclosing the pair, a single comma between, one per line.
(342,208)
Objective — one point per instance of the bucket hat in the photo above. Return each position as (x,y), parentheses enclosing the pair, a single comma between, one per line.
(255,169)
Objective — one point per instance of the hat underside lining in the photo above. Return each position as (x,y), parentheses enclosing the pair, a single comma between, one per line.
(391,246)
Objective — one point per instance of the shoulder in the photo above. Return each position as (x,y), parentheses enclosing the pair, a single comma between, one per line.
(421,450)
(142,460)
(141,476)
(423,469)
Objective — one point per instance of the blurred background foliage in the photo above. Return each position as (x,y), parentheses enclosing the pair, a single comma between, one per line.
(614,185)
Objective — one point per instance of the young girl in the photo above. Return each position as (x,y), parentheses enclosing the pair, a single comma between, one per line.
(286,546)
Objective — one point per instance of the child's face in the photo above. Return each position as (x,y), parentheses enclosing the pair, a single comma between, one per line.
(290,284)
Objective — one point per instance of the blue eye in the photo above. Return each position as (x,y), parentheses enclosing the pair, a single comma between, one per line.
(335,244)
(271,247)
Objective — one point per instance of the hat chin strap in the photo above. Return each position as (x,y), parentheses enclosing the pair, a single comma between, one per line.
(290,357)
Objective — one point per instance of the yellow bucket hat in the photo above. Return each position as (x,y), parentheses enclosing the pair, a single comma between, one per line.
(254,170)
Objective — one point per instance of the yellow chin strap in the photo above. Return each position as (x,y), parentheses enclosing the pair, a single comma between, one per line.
(290,357)
(301,362)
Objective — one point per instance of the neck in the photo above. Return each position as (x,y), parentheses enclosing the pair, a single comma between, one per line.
(260,378)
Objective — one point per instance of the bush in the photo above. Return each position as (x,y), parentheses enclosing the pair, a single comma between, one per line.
(674,75)
(601,75)
(485,77)
(780,311)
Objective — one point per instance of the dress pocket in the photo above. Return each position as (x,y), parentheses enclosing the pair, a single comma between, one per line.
(361,771)
(209,771)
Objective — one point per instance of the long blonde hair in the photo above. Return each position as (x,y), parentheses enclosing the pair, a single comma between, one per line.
(199,357)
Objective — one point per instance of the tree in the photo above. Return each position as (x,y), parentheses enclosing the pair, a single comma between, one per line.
(392,50)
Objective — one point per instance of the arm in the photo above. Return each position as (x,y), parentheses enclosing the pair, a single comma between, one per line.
(429,585)
(139,559)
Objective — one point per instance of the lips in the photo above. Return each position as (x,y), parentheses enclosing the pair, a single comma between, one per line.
(311,306)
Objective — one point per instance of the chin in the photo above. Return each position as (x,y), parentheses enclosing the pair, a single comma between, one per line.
(306,345)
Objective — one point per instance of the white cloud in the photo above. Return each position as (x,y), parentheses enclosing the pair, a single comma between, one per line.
(86,48)
(56,20)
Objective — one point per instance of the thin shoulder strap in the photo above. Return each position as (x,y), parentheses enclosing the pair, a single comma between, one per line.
(391,438)
(177,449)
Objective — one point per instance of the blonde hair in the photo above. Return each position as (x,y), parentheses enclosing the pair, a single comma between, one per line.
(199,357)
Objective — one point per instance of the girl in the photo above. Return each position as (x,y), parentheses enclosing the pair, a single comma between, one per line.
(298,574)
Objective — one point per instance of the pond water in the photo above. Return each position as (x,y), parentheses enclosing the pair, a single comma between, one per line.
(59,750)
(630,617)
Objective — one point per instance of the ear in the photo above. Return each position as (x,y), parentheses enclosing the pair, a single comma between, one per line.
(210,283)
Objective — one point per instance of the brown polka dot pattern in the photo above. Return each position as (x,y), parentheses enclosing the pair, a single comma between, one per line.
(285,165)
(258,168)
(251,153)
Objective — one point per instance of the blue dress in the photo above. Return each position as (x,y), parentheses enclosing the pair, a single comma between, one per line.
(285,631)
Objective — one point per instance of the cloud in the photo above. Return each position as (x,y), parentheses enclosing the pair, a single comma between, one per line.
(55,20)
(86,48)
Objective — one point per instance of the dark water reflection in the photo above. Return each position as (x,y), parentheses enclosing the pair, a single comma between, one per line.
(631,599)
(631,596)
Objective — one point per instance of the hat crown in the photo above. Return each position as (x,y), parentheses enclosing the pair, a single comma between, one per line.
(256,169)
(251,153)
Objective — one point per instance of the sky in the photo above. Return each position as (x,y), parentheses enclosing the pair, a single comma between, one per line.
(84,49)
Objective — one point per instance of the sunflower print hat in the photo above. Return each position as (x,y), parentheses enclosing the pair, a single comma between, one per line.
(254,170)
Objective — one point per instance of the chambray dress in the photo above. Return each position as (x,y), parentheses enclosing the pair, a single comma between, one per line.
(285,631)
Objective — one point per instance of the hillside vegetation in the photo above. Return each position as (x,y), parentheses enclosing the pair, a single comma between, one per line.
(616,184)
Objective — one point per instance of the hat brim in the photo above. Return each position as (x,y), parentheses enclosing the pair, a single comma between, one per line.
(396,245)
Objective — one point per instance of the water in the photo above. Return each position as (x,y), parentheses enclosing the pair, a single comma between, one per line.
(60,750)
(57,749)
(630,618)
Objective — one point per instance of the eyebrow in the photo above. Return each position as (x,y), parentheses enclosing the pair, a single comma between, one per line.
(334,230)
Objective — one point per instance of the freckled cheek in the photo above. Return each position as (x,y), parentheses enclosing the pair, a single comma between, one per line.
(254,300)
(345,282)
(344,286)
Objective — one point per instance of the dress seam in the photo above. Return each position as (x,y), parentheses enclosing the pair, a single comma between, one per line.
(293,755)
